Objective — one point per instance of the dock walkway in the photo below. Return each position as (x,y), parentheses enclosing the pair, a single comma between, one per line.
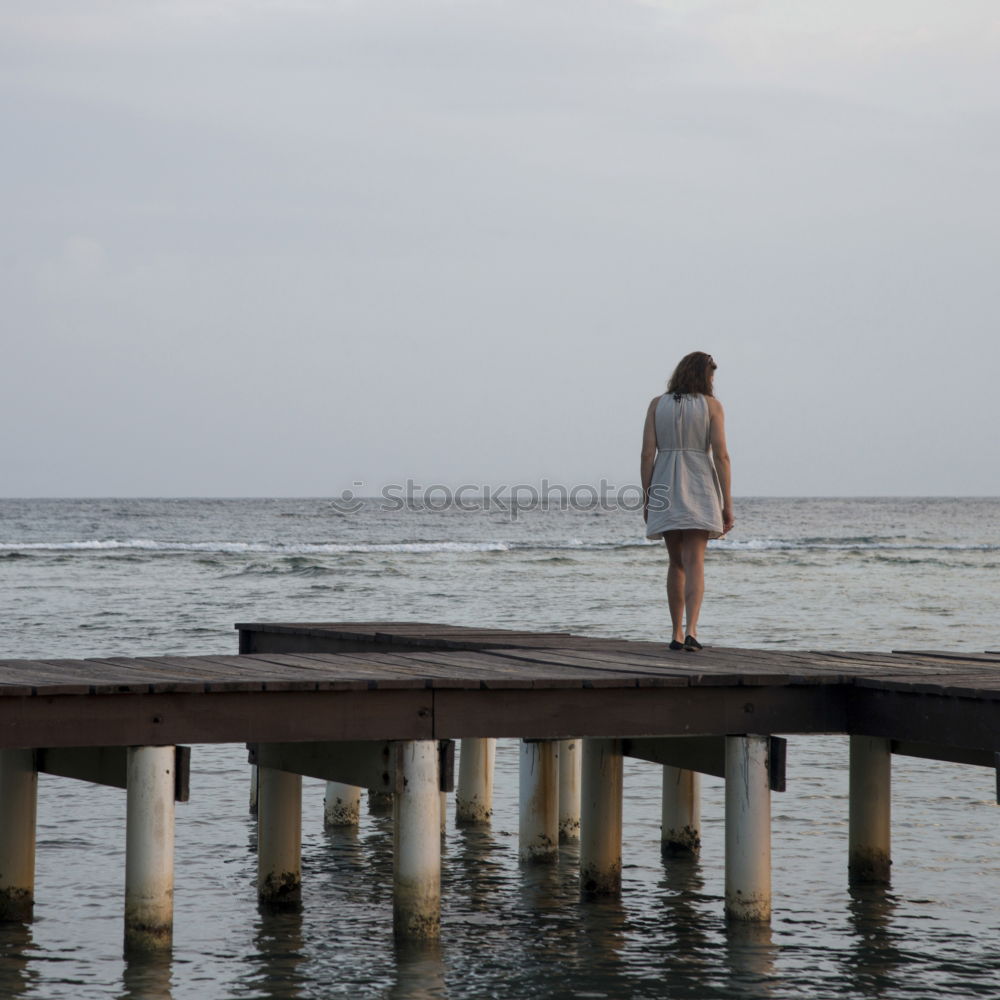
(338,700)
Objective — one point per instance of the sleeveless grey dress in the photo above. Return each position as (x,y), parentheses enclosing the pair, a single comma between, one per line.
(685,491)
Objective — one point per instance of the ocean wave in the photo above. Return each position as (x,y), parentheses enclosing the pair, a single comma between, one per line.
(865,543)
(253,548)
(846,545)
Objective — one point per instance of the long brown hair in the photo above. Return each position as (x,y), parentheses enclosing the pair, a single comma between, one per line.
(693,374)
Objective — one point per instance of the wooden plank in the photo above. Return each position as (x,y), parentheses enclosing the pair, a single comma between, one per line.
(219,717)
(890,663)
(903,714)
(167,678)
(622,713)
(695,675)
(332,666)
(488,664)
(986,657)
(362,666)
(20,678)
(468,669)
(68,677)
(270,675)
(542,664)
(347,677)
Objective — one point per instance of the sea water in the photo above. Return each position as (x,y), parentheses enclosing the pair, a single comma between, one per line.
(104,577)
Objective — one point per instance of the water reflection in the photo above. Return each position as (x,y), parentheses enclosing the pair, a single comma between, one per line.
(277,967)
(16,945)
(477,870)
(874,960)
(751,955)
(419,972)
(691,924)
(600,943)
(683,886)
(147,977)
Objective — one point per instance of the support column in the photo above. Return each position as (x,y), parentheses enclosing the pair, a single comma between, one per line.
(538,820)
(570,764)
(341,805)
(253,789)
(149,848)
(474,795)
(681,823)
(279,836)
(869,851)
(416,904)
(601,818)
(748,828)
(18,809)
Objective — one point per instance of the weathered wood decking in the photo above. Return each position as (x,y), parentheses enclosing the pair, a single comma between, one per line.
(404,681)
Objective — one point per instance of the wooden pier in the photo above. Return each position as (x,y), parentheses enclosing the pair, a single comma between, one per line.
(377,705)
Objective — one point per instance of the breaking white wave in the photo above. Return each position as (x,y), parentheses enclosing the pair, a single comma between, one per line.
(429,547)
(237,548)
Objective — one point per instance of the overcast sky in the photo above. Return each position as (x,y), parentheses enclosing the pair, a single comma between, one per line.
(275,248)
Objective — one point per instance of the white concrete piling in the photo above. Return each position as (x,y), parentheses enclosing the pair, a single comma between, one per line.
(869,828)
(341,805)
(474,795)
(601,818)
(416,905)
(149,848)
(18,809)
(748,828)
(538,820)
(279,836)
(680,830)
(570,764)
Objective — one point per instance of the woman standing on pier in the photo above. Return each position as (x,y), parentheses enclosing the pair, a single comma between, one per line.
(686,485)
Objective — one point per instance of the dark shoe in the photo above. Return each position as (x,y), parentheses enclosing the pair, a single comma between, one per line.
(674,644)
(691,644)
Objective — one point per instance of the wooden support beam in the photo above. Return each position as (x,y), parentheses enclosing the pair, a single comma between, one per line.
(938,751)
(108,766)
(364,763)
(703,754)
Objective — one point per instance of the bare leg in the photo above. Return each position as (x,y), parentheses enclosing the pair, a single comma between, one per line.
(693,544)
(675,583)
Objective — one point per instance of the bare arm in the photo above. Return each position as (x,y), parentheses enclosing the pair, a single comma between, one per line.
(720,455)
(648,457)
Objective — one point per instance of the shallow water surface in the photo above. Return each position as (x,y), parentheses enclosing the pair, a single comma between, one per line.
(81,578)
